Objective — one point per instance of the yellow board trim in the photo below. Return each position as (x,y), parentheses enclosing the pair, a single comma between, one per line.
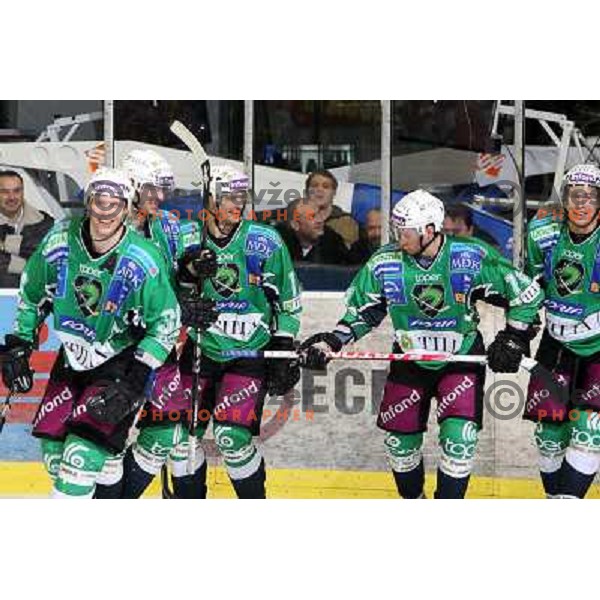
(29,479)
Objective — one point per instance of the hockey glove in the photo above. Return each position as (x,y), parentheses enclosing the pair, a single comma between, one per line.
(16,372)
(196,264)
(197,313)
(119,398)
(316,347)
(282,374)
(504,354)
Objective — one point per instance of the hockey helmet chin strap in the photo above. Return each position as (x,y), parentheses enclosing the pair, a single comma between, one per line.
(425,246)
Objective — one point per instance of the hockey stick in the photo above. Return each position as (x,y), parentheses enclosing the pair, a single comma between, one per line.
(203,164)
(531,365)
(411,356)
(5,410)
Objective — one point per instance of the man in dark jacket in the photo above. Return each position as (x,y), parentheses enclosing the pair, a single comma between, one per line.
(308,238)
(322,187)
(22,228)
(370,239)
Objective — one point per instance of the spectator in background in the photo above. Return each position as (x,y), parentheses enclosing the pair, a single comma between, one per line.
(308,238)
(22,228)
(322,187)
(459,222)
(369,241)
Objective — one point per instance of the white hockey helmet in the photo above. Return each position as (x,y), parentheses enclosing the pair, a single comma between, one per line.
(227,180)
(417,210)
(110,183)
(147,167)
(585,174)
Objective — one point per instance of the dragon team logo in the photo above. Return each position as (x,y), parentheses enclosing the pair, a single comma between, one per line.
(227,280)
(429,298)
(88,292)
(569,277)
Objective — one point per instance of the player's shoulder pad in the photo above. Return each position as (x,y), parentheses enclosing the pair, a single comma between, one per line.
(55,244)
(544,221)
(471,244)
(144,253)
(388,252)
(386,260)
(262,240)
(544,230)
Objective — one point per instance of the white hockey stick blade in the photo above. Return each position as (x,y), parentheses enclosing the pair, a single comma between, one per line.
(190,140)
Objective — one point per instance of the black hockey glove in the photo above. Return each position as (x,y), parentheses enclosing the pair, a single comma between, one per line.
(315,350)
(197,313)
(282,374)
(121,397)
(504,354)
(196,264)
(16,372)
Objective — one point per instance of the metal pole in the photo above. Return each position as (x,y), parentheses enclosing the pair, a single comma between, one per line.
(386,169)
(249,144)
(563,155)
(109,134)
(519,216)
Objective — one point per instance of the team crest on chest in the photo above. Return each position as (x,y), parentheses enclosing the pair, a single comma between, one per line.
(227,280)
(569,277)
(88,293)
(429,298)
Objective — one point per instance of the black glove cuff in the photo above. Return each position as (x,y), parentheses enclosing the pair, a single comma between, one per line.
(12,341)
(330,338)
(197,264)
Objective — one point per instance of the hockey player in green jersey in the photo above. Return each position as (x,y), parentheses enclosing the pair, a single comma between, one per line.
(117,317)
(163,424)
(563,252)
(428,283)
(257,297)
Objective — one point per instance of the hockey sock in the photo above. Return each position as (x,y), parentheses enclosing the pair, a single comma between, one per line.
(253,486)
(81,463)
(458,440)
(186,485)
(582,459)
(146,456)
(573,482)
(109,485)
(191,486)
(404,455)
(551,440)
(244,463)
(135,478)
(52,451)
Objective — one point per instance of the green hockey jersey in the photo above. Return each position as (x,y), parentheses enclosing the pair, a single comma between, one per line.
(100,306)
(434,308)
(570,275)
(256,290)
